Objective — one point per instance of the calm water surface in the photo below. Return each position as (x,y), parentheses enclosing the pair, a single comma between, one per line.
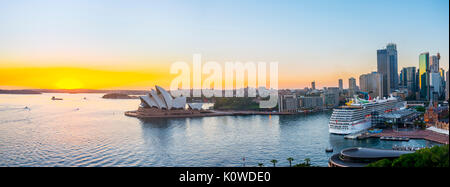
(94,132)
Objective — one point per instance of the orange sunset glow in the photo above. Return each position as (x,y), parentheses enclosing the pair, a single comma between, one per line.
(79,78)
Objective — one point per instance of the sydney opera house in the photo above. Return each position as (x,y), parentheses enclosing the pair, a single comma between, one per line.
(159,103)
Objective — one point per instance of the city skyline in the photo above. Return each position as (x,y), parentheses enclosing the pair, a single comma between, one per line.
(122,46)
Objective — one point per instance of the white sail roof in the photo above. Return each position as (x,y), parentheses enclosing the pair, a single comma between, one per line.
(167,97)
(161,104)
(163,100)
(179,103)
(148,101)
(195,106)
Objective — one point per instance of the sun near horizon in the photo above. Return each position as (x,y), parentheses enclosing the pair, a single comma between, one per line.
(79,78)
(69,83)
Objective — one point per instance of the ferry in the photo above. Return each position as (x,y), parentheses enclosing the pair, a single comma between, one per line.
(355,116)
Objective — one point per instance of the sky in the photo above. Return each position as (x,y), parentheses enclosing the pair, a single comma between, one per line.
(130,44)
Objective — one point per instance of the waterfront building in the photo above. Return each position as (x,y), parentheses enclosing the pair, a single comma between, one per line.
(408,79)
(360,157)
(331,97)
(159,103)
(372,84)
(399,117)
(341,85)
(311,102)
(387,66)
(288,103)
(424,76)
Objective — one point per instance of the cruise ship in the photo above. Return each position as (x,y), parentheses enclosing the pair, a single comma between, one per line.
(355,116)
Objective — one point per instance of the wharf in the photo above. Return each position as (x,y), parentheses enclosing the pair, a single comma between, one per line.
(416,134)
(211,113)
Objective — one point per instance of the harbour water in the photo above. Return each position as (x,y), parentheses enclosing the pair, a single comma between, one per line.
(86,130)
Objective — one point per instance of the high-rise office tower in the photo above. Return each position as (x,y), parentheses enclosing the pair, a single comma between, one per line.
(408,77)
(341,85)
(387,66)
(401,81)
(424,75)
(417,82)
(443,81)
(313,85)
(434,65)
(436,84)
(447,87)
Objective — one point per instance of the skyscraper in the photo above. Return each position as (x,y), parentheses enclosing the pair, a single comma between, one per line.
(434,65)
(387,66)
(313,85)
(424,75)
(447,87)
(341,85)
(436,84)
(408,77)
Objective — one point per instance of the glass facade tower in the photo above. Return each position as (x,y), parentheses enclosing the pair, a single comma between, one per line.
(424,75)
(387,66)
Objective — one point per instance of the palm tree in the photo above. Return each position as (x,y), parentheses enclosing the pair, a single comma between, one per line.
(307,160)
(260,164)
(274,162)
(290,159)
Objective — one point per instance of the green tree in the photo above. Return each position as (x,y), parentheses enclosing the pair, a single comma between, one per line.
(436,156)
(381,163)
(260,164)
(420,109)
(307,160)
(290,159)
(274,162)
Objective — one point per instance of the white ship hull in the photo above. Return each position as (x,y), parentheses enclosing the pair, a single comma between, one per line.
(349,129)
(356,116)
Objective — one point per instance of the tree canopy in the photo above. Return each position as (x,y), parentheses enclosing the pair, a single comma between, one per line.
(436,156)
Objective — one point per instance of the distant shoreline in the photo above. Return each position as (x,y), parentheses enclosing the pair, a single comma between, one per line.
(72,91)
(19,92)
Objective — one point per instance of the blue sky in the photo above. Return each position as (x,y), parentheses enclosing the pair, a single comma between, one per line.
(320,39)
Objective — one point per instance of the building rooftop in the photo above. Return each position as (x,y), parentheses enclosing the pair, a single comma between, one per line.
(399,113)
(358,152)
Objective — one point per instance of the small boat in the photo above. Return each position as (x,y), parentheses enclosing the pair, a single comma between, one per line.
(329,150)
(55,98)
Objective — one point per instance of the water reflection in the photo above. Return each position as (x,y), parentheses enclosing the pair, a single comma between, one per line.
(98,134)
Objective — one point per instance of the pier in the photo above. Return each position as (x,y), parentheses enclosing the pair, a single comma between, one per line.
(416,134)
(209,113)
